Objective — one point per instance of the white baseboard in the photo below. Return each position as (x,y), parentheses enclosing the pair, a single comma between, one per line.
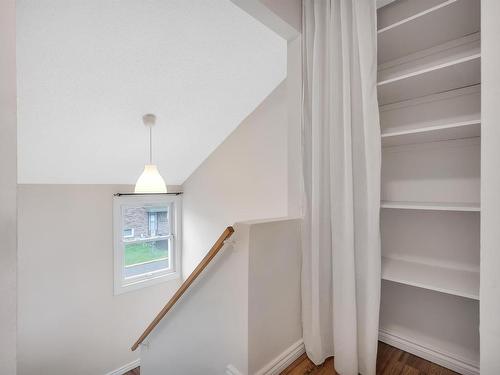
(442,358)
(122,370)
(282,361)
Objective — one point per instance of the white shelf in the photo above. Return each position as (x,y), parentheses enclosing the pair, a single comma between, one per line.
(426,29)
(430,59)
(446,67)
(434,133)
(431,206)
(458,282)
(429,94)
(450,107)
(401,10)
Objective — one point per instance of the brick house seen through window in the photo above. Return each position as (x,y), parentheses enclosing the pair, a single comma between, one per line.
(145,231)
(146,249)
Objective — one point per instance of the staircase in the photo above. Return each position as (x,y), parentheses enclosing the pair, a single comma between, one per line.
(239,310)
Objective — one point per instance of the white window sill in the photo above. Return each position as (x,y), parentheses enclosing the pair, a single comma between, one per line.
(139,284)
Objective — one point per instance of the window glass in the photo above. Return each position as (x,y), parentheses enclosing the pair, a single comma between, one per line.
(148,249)
(128,232)
(146,244)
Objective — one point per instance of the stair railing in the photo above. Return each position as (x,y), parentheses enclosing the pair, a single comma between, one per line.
(228,232)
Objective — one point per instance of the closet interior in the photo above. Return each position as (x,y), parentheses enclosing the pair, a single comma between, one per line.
(429,80)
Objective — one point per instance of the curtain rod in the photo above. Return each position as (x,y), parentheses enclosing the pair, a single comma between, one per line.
(120,194)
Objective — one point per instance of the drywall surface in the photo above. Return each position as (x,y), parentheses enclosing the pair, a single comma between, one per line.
(8,180)
(88,70)
(207,329)
(238,312)
(274,312)
(294,103)
(490,188)
(69,320)
(245,178)
(288,10)
(256,173)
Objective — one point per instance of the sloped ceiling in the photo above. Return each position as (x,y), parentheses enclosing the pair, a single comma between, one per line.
(89,69)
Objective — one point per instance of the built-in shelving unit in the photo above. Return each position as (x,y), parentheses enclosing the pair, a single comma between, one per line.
(428,28)
(464,283)
(433,133)
(429,80)
(446,67)
(450,109)
(431,206)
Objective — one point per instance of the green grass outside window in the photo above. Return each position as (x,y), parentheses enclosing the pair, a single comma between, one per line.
(145,251)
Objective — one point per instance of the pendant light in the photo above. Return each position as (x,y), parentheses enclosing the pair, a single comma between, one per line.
(150,181)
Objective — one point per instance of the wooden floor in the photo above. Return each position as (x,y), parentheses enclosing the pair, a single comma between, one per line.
(135,371)
(390,361)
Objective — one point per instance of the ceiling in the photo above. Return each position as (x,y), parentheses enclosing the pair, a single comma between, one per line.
(89,69)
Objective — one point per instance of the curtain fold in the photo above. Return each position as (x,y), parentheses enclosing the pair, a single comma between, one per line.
(341,153)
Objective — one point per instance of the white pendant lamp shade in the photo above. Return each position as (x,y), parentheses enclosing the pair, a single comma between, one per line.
(150,181)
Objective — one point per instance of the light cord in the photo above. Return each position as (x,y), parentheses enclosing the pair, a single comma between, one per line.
(150,145)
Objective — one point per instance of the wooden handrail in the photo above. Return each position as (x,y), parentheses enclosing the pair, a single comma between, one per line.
(185,285)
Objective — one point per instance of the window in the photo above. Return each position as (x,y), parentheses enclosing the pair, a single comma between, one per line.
(128,232)
(152,223)
(147,230)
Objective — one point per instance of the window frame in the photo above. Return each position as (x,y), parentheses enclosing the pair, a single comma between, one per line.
(132,232)
(121,284)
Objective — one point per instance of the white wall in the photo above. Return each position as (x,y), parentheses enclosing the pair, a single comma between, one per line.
(238,312)
(244,178)
(289,10)
(294,104)
(274,303)
(208,328)
(69,321)
(256,172)
(8,180)
(490,188)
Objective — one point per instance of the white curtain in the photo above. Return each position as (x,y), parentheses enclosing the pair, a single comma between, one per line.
(341,166)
